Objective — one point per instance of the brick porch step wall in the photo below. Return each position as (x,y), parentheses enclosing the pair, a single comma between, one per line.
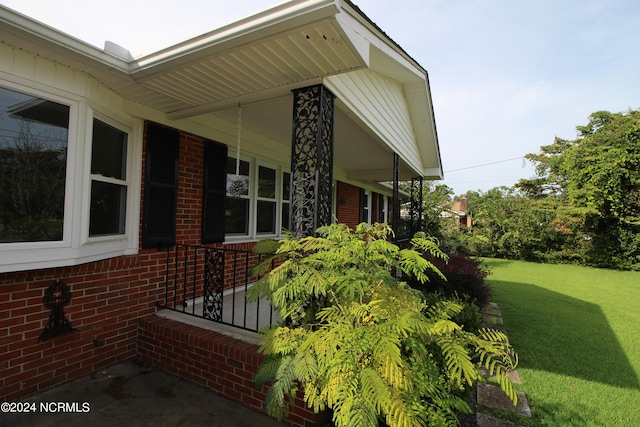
(225,360)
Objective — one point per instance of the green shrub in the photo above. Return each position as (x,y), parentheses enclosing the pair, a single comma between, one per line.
(464,276)
(363,344)
(469,317)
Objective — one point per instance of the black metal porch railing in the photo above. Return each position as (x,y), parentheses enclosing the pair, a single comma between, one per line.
(212,283)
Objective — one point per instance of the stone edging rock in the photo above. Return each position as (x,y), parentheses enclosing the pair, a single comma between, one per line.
(492,396)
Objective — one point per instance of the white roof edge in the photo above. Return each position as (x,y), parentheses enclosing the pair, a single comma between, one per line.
(305,11)
(359,15)
(433,173)
(15,20)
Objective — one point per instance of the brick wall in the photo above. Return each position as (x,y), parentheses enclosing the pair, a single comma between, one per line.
(224,364)
(107,298)
(190,190)
(348,204)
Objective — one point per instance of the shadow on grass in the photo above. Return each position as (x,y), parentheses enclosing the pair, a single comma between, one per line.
(564,335)
(562,415)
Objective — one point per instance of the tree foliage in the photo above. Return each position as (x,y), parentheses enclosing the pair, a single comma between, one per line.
(360,342)
(597,178)
(583,206)
(508,224)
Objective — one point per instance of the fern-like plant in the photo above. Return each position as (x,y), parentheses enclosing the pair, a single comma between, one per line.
(360,342)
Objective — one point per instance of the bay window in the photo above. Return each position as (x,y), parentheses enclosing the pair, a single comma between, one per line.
(64,182)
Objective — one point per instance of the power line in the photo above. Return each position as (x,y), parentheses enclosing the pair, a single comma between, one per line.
(485,164)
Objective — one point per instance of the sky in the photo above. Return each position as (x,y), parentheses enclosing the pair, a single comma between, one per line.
(506,76)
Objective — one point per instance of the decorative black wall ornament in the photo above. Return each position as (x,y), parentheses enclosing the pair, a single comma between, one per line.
(311,159)
(56,296)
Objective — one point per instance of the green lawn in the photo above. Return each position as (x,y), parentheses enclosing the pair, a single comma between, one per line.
(577,333)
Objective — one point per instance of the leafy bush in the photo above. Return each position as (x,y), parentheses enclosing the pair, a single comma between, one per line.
(469,317)
(363,344)
(463,277)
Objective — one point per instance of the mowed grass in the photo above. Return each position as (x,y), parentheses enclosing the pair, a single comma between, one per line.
(577,333)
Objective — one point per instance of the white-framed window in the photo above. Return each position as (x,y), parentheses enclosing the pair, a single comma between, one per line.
(238,202)
(257,200)
(108,205)
(65,180)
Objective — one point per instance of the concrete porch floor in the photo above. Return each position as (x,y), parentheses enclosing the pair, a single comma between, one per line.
(133,394)
(259,314)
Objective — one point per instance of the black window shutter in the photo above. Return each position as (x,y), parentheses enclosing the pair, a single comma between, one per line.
(160,187)
(215,185)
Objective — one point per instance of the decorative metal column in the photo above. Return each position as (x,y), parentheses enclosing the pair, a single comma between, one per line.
(417,223)
(311,159)
(395,222)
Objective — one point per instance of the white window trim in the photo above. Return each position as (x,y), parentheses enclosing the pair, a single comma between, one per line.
(367,208)
(76,247)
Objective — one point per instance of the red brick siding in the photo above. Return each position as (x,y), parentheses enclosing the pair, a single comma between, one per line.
(224,364)
(348,204)
(107,298)
(190,190)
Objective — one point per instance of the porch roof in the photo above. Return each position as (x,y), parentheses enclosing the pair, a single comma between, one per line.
(383,96)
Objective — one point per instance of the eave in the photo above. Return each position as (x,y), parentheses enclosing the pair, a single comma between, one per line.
(256,62)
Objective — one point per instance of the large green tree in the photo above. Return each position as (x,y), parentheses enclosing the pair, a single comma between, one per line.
(597,176)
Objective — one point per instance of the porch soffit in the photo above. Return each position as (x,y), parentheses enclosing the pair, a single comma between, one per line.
(219,76)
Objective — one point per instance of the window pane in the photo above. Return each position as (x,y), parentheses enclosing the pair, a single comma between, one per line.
(236,216)
(266,182)
(237,184)
(285,216)
(33,166)
(266,217)
(286,185)
(109,151)
(108,203)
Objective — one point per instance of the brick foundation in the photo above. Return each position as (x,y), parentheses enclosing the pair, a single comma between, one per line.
(220,362)
(107,298)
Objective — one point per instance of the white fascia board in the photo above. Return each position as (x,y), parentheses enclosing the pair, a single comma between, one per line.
(433,173)
(257,27)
